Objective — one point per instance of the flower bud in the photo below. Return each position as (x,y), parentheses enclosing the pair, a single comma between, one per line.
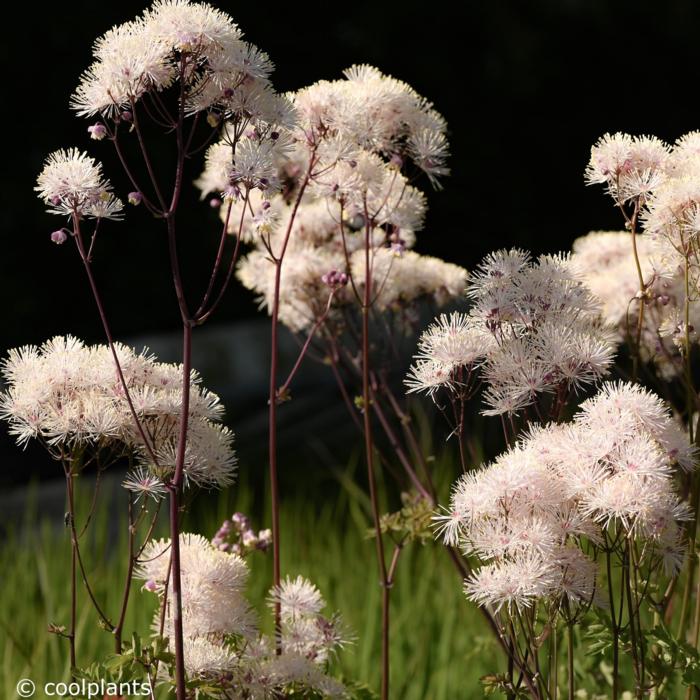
(213,119)
(264,539)
(214,202)
(135,198)
(334,278)
(151,585)
(59,237)
(396,161)
(97,131)
(250,539)
(240,520)
(127,116)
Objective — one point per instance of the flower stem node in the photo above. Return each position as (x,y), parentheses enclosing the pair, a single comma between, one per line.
(283,395)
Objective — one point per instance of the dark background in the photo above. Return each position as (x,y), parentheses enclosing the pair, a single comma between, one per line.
(526,88)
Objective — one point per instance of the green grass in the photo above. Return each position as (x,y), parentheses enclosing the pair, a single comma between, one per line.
(439,645)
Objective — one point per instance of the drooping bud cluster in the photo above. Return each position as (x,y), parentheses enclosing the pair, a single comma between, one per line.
(334,279)
(237,536)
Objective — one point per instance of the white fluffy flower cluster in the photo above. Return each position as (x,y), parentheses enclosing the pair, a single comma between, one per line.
(530,516)
(351,142)
(68,394)
(318,247)
(173,41)
(375,113)
(658,186)
(629,166)
(222,642)
(72,184)
(533,329)
(664,181)
(606,261)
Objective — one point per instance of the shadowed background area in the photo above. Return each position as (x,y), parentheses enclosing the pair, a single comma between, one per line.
(525,87)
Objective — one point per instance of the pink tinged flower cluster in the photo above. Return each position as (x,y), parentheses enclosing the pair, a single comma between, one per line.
(373,112)
(531,516)
(223,642)
(356,134)
(72,184)
(606,261)
(533,328)
(630,167)
(178,40)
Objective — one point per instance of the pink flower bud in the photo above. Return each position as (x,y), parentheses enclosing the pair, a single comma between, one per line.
(151,585)
(264,539)
(127,116)
(97,131)
(214,202)
(59,237)
(240,520)
(250,539)
(135,198)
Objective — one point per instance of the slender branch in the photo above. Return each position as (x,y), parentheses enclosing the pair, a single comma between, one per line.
(134,183)
(175,485)
(146,157)
(110,340)
(571,680)
(217,261)
(201,316)
(272,396)
(369,455)
(282,391)
(76,549)
(73,571)
(127,583)
(398,450)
